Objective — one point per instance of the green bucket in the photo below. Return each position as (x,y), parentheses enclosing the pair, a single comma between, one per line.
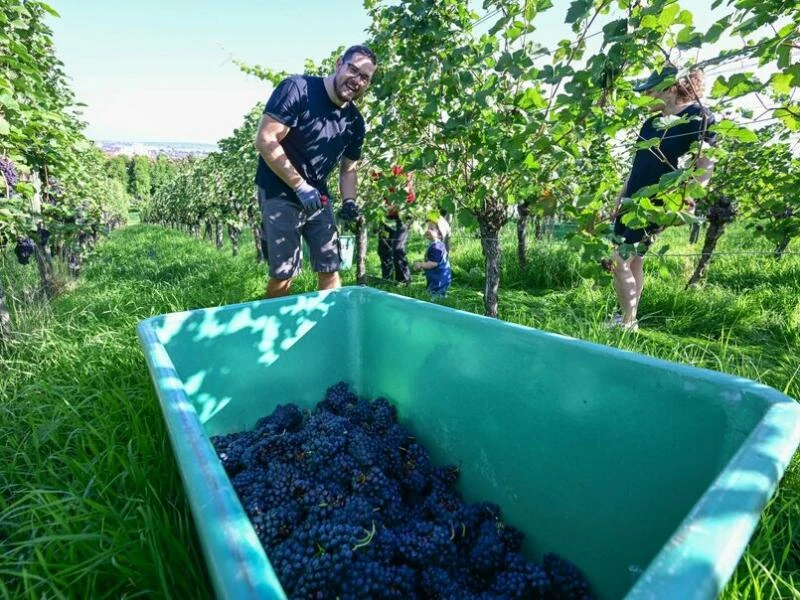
(649,475)
(348,244)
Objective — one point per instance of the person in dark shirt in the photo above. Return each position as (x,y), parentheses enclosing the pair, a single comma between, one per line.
(310,126)
(393,229)
(392,239)
(679,96)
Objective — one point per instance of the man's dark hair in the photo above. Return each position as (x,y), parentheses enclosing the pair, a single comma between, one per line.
(359,50)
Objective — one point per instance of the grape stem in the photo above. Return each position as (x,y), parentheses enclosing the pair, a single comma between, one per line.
(365,541)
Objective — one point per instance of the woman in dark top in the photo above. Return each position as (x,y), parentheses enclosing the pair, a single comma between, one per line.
(682,99)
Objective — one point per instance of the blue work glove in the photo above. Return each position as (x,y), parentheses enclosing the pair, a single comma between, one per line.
(309,197)
(349,210)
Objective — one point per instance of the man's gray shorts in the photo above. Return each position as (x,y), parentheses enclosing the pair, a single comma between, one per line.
(284,222)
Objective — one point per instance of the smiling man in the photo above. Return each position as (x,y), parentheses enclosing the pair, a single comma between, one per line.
(310,125)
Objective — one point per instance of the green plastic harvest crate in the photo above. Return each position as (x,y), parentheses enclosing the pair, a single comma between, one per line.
(649,475)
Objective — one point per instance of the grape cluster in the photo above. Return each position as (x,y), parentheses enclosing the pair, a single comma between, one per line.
(52,191)
(9,173)
(349,210)
(24,250)
(347,504)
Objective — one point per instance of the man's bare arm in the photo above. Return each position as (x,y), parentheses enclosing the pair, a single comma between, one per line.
(348,178)
(270,134)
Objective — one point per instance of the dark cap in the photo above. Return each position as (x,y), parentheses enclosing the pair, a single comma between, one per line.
(656,78)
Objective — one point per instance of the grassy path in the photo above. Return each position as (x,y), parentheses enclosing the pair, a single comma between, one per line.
(91,503)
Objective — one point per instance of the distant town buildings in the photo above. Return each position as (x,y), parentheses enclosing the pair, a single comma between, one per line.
(153,149)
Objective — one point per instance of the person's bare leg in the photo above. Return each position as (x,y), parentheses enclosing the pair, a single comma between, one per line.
(277,288)
(637,270)
(625,286)
(329,281)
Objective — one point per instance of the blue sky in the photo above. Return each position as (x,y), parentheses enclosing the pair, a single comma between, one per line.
(161,70)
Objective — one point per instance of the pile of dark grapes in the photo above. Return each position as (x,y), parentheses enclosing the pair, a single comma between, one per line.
(24,250)
(9,173)
(348,505)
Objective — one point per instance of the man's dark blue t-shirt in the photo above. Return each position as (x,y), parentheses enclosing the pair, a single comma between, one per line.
(320,133)
(649,165)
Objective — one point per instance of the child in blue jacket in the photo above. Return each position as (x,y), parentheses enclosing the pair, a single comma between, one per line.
(436,264)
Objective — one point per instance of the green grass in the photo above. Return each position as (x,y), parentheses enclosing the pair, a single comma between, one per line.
(92,504)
